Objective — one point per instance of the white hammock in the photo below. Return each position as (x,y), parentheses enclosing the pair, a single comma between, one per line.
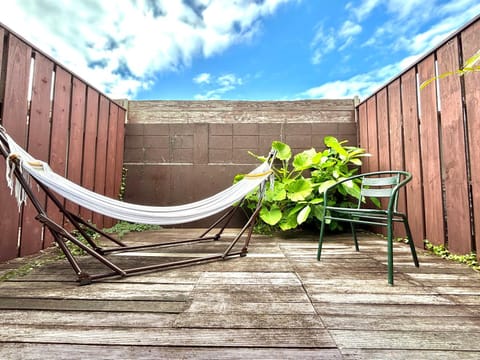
(166,215)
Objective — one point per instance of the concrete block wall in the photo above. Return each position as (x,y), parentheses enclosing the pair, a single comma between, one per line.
(181,151)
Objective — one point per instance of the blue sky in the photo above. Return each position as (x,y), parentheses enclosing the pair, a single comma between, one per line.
(236,49)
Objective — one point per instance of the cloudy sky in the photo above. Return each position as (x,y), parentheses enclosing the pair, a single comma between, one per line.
(236,49)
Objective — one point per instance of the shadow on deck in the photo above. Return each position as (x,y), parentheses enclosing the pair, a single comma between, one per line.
(276,303)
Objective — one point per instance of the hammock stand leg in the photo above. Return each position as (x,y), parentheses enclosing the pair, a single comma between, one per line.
(60,234)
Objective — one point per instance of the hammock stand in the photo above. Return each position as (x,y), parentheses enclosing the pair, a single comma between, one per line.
(61,235)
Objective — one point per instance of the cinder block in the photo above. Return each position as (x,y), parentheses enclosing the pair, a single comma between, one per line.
(133,141)
(155,142)
(220,142)
(182,155)
(220,155)
(245,142)
(221,129)
(157,155)
(245,129)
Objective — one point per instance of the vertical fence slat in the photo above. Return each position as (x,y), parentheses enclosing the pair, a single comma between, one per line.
(382,131)
(15,121)
(363,133)
(413,164)
(77,126)
(372,134)
(89,146)
(101,154)
(472,103)
(454,167)
(111,150)
(59,136)
(432,185)
(119,152)
(2,71)
(383,141)
(396,141)
(38,146)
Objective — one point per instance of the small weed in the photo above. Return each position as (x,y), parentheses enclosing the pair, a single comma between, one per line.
(440,250)
(27,268)
(123,227)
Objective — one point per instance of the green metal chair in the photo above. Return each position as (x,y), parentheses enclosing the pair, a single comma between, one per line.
(379,184)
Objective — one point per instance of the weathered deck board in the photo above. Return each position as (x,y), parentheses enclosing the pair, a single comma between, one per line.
(31,351)
(276,303)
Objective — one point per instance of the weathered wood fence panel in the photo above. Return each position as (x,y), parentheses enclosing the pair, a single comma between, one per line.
(430,155)
(472,103)
(436,132)
(411,154)
(58,118)
(38,145)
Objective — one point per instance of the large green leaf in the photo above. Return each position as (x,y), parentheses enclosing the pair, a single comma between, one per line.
(324,185)
(304,160)
(289,223)
(271,216)
(299,189)
(303,214)
(333,143)
(351,189)
(278,193)
(284,152)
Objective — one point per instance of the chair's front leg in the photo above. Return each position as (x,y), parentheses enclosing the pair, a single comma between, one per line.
(410,242)
(354,235)
(320,240)
(390,251)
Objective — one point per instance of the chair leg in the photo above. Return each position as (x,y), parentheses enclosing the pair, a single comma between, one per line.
(390,252)
(320,240)
(410,242)
(354,235)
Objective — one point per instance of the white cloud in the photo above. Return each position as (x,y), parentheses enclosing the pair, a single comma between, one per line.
(325,41)
(219,86)
(203,78)
(360,85)
(120,46)
(349,29)
(363,9)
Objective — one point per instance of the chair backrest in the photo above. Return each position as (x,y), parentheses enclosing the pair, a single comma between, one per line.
(383,185)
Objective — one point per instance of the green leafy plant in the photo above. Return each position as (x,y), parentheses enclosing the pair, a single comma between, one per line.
(299,180)
(440,250)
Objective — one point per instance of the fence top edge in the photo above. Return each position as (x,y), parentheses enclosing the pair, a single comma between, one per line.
(9,31)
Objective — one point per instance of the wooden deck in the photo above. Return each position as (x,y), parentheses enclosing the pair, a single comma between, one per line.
(276,303)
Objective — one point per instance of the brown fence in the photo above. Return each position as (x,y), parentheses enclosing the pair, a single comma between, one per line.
(58,118)
(435,134)
(181,151)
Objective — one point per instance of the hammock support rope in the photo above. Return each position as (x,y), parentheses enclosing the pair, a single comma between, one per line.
(22,168)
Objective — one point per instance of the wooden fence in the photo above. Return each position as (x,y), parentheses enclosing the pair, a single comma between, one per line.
(435,134)
(61,119)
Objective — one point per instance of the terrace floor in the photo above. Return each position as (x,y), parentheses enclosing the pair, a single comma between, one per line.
(276,303)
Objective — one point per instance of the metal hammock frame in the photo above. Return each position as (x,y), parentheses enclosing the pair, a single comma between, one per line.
(61,235)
